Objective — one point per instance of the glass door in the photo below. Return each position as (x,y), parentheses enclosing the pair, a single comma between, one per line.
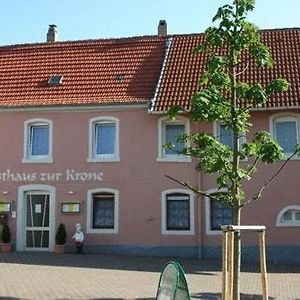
(37,227)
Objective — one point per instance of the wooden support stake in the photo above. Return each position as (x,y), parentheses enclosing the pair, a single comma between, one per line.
(230,264)
(225,266)
(263,267)
(228,258)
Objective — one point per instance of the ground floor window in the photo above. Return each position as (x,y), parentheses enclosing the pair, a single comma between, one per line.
(102,214)
(177,212)
(217,213)
(289,216)
(220,214)
(103,210)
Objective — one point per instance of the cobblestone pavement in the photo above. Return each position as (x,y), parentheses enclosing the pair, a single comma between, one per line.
(41,276)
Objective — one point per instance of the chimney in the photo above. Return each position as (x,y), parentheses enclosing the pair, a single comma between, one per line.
(162,28)
(52,35)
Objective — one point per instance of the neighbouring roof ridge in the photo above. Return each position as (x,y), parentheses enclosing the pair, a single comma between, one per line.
(123,39)
(85,41)
(261,30)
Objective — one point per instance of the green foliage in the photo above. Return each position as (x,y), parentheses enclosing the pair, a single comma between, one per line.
(223,97)
(61,235)
(5,234)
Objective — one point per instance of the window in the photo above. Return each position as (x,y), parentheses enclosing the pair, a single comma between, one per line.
(104,140)
(38,141)
(55,80)
(102,208)
(169,132)
(177,212)
(217,214)
(285,132)
(289,217)
(220,214)
(225,135)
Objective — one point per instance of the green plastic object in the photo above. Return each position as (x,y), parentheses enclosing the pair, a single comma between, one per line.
(172,283)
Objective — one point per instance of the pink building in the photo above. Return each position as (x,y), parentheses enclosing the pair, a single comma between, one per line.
(83,125)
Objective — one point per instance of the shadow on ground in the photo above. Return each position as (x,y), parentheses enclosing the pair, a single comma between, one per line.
(127,263)
(111,262)
(214,296)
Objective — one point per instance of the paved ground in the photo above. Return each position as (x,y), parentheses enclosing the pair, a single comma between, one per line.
(94,277)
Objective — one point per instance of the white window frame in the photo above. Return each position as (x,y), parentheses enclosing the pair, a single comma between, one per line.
(162,156)
(93,157)
(27,157)
(281,118)
(164,229)
(208,229)
(281,223)
(89,224)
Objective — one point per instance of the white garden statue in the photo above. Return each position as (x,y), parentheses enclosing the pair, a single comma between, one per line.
(78,237)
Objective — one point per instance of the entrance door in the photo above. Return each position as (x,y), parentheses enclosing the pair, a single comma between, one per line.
(37,229)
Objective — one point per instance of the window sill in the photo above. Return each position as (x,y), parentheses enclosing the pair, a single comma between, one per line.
(178,232)
(174,159)
(102,231)
(288,225)
(37,161)
(286,156)
(213,232)
(103,159)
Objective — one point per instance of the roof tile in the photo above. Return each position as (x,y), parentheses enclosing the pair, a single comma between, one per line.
(180,78)
(89,69)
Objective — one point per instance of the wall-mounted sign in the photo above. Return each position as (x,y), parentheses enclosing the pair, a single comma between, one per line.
(5,206)
(70,175)
(71,207)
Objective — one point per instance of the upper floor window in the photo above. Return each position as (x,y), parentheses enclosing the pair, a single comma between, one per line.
(104,139)
(38,141)
(217,214)
(289,216)
(177,212)
(102,211)
(169,133)
(285,131)
(225,135)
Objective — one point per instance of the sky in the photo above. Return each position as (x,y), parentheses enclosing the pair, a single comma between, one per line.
(27,21)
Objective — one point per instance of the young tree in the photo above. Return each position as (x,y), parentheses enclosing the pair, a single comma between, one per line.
(224,98)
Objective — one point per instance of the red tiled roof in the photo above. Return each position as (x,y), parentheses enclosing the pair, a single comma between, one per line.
(89,69)
(183,69)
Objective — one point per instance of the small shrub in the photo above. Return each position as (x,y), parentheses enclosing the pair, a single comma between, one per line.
(5,234)
(61,235)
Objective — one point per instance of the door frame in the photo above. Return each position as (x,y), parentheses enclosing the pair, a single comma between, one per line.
(20,234)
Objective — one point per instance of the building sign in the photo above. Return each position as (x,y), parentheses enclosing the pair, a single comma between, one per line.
(69,175)
(71,207)
(5,206)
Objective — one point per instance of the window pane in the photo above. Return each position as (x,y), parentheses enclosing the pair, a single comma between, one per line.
(178,213)
(287,216)
(105,138)
(173,132)
(220,214)
(297,215)
(286,135)
(39,140)
(103,211)
(226,136)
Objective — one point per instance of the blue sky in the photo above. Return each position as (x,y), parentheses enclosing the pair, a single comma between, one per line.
(26,21)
